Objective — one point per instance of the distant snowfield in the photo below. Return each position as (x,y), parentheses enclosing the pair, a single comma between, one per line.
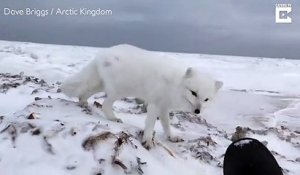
(62,138)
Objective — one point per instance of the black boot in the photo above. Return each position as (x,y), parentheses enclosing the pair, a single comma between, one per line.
(248,156)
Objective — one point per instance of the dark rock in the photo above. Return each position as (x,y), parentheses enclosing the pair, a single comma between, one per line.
(36,131)
(37,98)
(240,132)
(31,116)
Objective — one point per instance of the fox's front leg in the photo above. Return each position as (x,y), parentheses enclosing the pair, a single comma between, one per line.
(83,101)
(165,122)
(108,110)
(153,113)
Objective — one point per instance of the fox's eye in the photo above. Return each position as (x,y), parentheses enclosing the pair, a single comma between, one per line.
(206,99)
(194,93)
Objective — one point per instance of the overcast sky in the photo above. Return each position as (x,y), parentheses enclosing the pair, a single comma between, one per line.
(227,27)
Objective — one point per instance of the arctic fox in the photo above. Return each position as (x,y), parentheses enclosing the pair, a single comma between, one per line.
(129,71)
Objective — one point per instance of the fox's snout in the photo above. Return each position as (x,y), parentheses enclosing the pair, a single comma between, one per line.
(197,111)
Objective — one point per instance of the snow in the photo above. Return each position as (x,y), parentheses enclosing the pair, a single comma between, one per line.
(242,143)
(260,94)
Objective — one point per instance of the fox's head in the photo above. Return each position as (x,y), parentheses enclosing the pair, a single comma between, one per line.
(198,89)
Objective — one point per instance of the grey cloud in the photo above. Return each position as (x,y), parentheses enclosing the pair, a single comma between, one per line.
(209,26)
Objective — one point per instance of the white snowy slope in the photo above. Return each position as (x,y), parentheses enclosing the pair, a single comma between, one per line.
(44,132)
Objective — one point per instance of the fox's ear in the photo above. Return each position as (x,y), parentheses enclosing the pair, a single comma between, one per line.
(218,85)
(189,72)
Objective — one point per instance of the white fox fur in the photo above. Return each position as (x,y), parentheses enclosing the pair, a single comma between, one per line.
(128,71)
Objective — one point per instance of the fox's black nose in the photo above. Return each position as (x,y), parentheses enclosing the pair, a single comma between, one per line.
(197,111)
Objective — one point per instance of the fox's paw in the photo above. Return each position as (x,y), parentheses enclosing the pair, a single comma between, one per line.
(175,139)
(148,144)
(83,104)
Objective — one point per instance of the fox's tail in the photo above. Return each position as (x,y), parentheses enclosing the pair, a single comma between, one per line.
(84,83)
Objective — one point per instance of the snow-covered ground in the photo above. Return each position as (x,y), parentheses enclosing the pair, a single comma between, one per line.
(44,132)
